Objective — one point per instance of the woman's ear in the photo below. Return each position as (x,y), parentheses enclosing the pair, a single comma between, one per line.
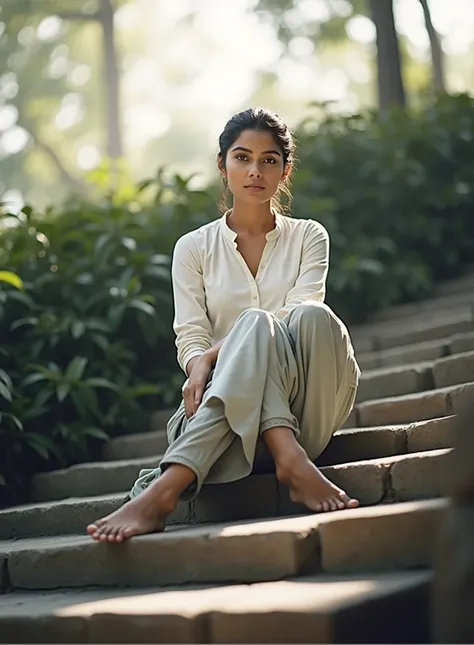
(220,166)
(286,171)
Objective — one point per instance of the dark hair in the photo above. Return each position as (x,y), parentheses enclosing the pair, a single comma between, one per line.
(261,120)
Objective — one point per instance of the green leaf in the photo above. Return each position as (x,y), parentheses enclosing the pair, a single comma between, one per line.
(102,382)
(35,378)
(62,391)
(6,379)
(78,328)
(97,433)
(21,322)
(145,389)
(5,392)
(143,306)
(12,278)
(76,368)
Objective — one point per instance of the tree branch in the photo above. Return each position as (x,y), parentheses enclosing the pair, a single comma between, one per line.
(76,15)
(64,174)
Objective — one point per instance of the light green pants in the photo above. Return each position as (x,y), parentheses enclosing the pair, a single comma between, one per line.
(299,372)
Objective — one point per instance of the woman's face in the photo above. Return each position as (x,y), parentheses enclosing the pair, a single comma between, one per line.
(254,167)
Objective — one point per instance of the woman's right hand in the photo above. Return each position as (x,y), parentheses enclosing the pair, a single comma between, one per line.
(200,369)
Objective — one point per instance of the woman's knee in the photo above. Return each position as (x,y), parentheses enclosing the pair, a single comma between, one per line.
(255,316)
(312,312)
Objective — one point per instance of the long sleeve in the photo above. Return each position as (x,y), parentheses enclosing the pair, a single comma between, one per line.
(311,281)
(191,323)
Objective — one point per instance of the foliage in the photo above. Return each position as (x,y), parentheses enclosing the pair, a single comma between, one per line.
(395,192)
(87,346)
(86,341)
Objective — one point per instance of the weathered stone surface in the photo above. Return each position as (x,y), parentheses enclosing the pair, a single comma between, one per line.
(363,443)
(380,538)
(461,396)
(93,478)
(422,475)
(42,629)
(267,550)
(3,574)
(309,609)
(461,343)
(249,498)
(137,446)
(431,434)
(65,516)
(424,332)
(404,409)
(454,369)
(417,353)
(323,609)
(394,381)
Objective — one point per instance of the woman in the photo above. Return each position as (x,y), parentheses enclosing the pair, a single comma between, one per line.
(268,364)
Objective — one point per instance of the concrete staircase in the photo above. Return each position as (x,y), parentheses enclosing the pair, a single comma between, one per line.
(242,563)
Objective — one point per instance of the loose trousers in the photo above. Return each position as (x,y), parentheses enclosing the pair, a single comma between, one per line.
(299,372)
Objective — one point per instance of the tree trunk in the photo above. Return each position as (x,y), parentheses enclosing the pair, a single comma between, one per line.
(112,80)
(436,49)
(389,68)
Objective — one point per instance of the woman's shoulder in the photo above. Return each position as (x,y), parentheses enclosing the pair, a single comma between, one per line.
(199,237)
(307,226)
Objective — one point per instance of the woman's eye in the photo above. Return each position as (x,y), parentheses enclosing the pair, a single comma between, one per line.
(271,160)
(241,157)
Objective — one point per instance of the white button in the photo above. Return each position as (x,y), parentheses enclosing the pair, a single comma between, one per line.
(254,298)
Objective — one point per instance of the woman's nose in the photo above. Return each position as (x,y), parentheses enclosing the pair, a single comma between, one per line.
(255,171)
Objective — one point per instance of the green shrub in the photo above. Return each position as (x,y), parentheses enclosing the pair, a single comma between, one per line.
(395,191)
(87,347)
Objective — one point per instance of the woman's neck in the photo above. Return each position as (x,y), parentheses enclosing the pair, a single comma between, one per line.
(251,219)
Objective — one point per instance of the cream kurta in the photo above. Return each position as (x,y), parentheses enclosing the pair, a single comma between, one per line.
(213,284)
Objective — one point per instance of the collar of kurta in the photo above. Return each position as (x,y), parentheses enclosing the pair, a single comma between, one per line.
(271,235)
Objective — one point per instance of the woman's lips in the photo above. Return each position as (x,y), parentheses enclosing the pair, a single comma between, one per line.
(255,189)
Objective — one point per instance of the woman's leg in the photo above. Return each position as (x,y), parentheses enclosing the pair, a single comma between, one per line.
(218,443)
(327,382)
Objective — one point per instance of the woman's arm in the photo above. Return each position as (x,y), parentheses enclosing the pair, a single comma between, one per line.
(191,323)
(311,281)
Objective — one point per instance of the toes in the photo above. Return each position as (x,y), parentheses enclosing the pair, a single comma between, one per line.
(332,504)
(325,505)
(349,502)
(112,534)
(94,527)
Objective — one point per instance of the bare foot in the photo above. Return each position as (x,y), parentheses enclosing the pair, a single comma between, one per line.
(309,486)
(143,514)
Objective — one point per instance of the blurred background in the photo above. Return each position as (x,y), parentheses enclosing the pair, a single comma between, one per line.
(153,82)
(110,111)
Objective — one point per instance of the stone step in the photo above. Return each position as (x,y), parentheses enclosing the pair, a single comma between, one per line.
(407,379)
(407,408)
(463,284)
(418,352)
(102,478)
(141,443)
(424,309)
(393,478)
(356,444)
(399,334)
(90,478)
(309,609)
(382,538)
